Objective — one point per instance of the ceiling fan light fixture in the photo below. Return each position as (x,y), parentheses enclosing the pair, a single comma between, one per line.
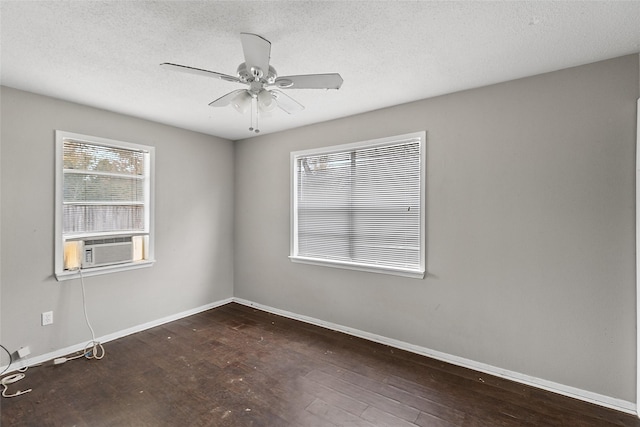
(266,100)
(242,102)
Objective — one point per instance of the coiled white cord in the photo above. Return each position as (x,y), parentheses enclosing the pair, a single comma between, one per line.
(10,379)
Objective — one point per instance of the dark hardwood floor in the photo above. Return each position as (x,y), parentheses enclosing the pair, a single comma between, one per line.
(236,366)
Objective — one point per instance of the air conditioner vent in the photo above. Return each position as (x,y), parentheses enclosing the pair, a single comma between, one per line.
(107,251)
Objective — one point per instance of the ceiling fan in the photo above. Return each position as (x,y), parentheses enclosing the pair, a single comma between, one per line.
(263,93)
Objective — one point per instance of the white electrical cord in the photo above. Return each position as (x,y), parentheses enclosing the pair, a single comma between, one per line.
(10,379)
(93,349)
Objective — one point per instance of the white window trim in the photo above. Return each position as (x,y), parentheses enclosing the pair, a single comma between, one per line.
(62,274)
(97,271)
(372,268)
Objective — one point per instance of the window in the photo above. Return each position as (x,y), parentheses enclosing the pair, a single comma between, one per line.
(104,217)
(361,206)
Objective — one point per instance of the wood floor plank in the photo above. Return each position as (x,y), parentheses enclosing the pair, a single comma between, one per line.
(369,397)
(381,418)
(336,415)
(238,366)
(333,397)
(430,420)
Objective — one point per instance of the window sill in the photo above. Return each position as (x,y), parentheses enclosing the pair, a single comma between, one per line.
(396,271)
(96,271)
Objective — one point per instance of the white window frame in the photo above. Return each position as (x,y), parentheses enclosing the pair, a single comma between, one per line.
(406,272)
(60,272)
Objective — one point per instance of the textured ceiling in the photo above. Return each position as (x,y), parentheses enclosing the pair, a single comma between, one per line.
(106,54)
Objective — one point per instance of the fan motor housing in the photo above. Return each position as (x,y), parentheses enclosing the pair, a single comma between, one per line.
(246,75)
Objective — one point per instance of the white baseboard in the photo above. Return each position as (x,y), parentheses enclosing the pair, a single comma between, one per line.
(587,396)
(576,393)
(113,336)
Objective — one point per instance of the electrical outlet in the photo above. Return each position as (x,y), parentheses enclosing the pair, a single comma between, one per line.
(47,318)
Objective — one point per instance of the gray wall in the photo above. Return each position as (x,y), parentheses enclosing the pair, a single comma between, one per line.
(530,227)
(194,226)
(530,213)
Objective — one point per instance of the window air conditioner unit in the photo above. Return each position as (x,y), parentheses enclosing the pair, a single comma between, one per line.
(107,251)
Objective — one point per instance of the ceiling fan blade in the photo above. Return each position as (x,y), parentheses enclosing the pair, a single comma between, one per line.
(225,100)
(310,81)
(286,103)
(199,71)
(257,51)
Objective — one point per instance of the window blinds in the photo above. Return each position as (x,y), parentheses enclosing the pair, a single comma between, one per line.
(103,189)
(361,205)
